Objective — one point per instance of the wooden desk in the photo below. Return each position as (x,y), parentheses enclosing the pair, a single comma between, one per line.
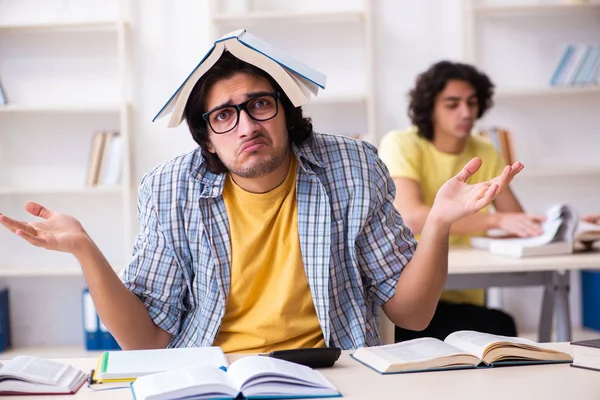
(355,382)
(470,268)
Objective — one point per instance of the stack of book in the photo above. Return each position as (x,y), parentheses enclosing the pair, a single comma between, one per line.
(579,65)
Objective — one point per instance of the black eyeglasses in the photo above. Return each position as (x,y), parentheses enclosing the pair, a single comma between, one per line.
(260,108)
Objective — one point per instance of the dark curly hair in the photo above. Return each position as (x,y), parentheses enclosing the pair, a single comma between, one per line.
(299,128)
(431,82)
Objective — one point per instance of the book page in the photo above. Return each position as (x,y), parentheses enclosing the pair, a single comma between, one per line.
(131,364)
(415,350)
(476,343)
(33,369)
(184,383)
(254,370)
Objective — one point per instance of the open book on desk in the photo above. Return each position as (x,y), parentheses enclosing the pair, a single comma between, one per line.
(460,350)
(249,377)
(561,230)
(33,375)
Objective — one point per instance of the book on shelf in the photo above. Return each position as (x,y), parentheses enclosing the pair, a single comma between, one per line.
(460,350)
(97,336)
(296,79)
(3,100)
(5,329)
(586,354)
(502,141)
(249,377)
(579,65)
(33,375)
(106,159)
(119,366)
(561,231)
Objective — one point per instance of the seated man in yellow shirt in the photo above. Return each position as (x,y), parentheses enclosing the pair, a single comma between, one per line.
(444,105)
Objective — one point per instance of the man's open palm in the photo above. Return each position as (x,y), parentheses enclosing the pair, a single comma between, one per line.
(456,198)
(57,232)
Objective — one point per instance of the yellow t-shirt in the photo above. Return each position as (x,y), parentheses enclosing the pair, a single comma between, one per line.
(270,306)
(407,155)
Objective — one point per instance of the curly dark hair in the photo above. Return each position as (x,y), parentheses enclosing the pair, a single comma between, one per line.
(299,128)
(431,82)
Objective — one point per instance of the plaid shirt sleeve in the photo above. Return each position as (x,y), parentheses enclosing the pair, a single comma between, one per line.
(385,244)
(154,274)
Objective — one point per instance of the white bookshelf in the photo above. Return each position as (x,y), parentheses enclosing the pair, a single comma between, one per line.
(64,190)
(535,8)
(563,171)
(554,128)
(37,272)
(328,17)
(336,40)
(65,77)
(61,108)
(548,92)
(74,26)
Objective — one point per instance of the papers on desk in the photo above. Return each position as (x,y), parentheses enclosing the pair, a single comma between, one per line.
(560,231)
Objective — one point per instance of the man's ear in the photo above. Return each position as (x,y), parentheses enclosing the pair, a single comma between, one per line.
(210,148)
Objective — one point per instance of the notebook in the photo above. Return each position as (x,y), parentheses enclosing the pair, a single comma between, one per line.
(123,366)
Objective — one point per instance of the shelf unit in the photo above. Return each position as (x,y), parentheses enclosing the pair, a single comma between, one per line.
(337,42)
(554,129)
(83,69)
(533,36)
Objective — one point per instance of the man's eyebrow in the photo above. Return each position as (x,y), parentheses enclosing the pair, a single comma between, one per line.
(248,96)
(458,98)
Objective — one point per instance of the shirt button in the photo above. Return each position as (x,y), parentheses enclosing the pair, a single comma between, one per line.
(215,191)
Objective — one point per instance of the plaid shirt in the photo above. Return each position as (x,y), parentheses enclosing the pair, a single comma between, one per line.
(353,241)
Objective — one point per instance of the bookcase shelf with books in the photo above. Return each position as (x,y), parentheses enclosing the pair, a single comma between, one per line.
(66,75)
(335,39)
(519,44)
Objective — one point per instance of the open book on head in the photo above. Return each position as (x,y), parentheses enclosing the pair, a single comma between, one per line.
(462,349)
(33,375)
(561,230)
(296,79)
(249,377)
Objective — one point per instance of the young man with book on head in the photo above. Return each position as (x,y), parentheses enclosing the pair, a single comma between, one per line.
(268,235)
(444,104)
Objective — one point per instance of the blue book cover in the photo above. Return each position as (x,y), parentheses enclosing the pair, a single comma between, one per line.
(5,335)
(91,323)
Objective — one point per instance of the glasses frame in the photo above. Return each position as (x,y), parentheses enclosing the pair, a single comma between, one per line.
(239,108)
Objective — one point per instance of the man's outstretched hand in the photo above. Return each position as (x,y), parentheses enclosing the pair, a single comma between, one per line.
(457,199)
(57,231)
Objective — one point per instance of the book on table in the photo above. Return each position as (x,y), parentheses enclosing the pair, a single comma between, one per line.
(124,366)
(586,354)
(33,375)
(248,377)
(460,350)
(562,230)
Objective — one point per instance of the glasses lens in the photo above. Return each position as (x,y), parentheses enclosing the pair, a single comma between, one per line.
(262,108)
(223,119)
